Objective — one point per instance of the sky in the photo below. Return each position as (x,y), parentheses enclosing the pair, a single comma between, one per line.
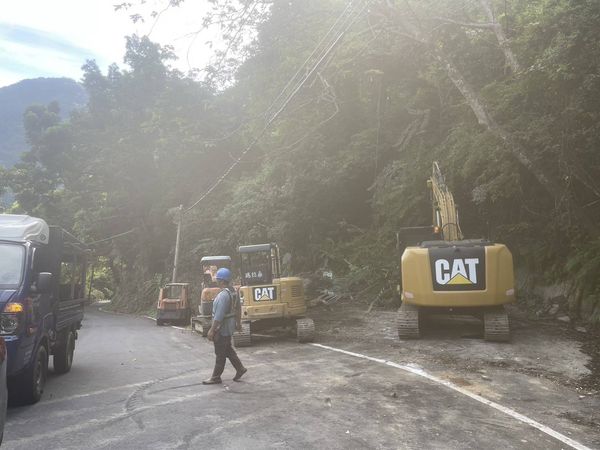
(54,38)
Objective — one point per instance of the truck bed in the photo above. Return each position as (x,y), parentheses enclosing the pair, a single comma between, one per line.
(69,312)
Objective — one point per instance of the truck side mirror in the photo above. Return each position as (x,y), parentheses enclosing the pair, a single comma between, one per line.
(43,283)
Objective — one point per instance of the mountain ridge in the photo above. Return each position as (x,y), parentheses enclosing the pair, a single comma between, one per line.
(17,97)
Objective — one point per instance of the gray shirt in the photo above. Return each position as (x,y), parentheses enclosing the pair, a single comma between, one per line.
(221,308)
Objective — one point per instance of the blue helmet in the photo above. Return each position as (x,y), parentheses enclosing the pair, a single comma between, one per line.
(223,274)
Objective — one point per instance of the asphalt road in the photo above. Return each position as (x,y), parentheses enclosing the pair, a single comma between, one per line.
(134,385)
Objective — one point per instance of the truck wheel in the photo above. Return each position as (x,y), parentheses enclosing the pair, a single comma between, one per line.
(33,380)
(63,357)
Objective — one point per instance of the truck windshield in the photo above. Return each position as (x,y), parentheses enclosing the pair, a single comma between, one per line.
(11,265)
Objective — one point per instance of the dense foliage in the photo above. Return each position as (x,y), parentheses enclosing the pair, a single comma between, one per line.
(505,95)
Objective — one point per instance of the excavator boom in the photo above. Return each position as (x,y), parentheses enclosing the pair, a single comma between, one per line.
(445,214)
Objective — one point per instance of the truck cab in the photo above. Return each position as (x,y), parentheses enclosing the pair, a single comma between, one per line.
(42,291)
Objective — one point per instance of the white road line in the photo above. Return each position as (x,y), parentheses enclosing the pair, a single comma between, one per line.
(510,412)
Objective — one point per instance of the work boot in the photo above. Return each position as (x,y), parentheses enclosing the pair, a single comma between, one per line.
(239,374)
(212,380)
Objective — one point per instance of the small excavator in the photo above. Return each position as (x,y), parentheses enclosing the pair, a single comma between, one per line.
(210,264)
(268,299)
(446,273)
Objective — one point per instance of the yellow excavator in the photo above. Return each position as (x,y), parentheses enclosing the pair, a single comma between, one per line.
(446,273)
(268,299)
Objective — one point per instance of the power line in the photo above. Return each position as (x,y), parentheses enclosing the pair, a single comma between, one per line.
(324,54)
(312,54)
(285,103)
(346,24)
(111,237)
(266,112)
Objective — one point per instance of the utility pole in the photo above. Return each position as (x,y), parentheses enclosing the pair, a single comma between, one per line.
(91,283)
(176,262)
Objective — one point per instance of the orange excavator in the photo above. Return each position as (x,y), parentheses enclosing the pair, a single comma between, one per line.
(210,264)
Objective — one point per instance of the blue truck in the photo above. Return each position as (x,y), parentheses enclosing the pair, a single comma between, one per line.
(42,296)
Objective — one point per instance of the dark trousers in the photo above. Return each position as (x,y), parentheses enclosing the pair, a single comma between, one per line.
(224,350)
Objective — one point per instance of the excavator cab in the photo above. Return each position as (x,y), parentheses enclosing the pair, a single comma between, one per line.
(210,265)
(268,299)
(259,264)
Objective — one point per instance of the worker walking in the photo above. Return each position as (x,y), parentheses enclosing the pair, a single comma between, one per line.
(224,324)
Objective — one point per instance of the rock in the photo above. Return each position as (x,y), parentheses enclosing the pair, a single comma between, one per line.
(581,329)
(485,377)
(565,319)
(554,309)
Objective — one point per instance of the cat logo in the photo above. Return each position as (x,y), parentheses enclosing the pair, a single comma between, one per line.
(264,293)
(461,271)
(458,268)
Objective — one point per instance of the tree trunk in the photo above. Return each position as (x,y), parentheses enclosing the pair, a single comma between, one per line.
(510,57)
(550,185)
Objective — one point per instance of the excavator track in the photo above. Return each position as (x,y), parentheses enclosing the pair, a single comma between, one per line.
(243,338)
(408,322)
(201,325)
(495,325)
(305,329)
(206,324)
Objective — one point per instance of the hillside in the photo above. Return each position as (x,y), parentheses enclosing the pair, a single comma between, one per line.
(15,99)
(323,141)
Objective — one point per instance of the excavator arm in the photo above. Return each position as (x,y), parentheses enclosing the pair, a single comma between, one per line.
(445,214)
